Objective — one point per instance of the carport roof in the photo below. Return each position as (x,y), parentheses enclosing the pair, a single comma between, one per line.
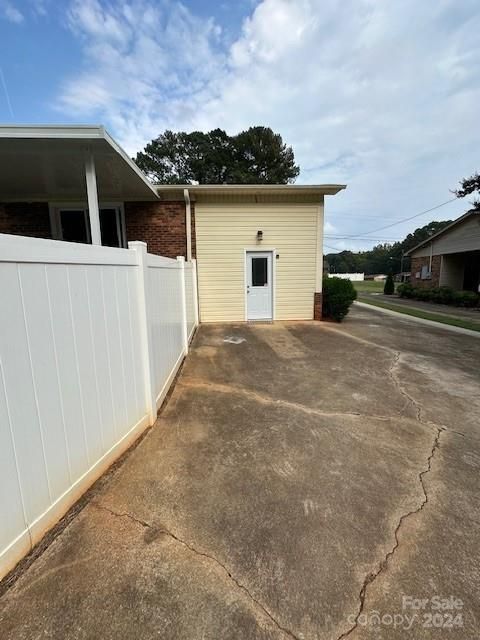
(47,162)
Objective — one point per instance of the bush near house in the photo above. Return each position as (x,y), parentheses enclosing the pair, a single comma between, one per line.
(389,288)
(441,295)
(338,295)
(405,290)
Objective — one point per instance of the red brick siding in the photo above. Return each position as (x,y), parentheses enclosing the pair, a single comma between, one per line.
(161,225)
(416,267)
(317,306)
(25,219)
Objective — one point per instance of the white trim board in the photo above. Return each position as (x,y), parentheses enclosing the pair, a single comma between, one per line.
(258,249)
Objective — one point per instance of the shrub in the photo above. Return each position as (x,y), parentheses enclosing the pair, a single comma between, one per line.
(423,294)
(389,288)
(466,298)
(442,295)
(338,295)
(406,290)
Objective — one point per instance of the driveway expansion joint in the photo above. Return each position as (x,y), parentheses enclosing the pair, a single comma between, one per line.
(269,400)
(296,406)
(192,549)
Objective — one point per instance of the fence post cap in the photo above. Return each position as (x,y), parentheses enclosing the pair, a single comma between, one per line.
(137,244)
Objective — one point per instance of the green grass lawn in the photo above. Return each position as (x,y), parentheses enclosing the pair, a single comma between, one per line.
(369,286)
(426,315)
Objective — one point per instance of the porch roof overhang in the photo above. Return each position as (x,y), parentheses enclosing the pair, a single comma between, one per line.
(41,163)
(168,191)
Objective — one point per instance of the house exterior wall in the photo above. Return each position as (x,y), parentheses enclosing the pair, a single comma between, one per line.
(30,219)
(225,230)
(416,267)
(161,225)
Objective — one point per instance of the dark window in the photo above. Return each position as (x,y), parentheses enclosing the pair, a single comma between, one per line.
(259,272)
(74,228)
(109,228)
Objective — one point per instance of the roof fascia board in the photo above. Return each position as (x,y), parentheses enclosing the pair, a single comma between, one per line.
(129,161)
(52,131)
(442,231)
(323,189)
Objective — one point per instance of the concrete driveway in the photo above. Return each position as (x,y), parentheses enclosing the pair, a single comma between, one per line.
(302,480)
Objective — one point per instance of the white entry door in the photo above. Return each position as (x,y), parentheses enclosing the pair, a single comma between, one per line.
(259,285)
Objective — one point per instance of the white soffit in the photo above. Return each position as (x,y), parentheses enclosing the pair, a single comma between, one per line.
(48,163)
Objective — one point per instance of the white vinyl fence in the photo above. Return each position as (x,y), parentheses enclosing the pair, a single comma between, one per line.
(354,277)
(90,340)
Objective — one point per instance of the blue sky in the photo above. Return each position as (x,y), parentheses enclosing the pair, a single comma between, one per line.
(382,96)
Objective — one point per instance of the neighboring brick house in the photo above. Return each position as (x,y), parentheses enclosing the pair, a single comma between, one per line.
(425,273)
(259,248)
(451,257)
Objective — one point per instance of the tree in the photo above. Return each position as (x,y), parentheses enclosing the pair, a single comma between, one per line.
(468,186)
(389,287)
(262,158)
(255,156)
(383,258)
(422,233)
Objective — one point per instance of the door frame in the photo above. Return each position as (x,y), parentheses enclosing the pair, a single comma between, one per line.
(273,253)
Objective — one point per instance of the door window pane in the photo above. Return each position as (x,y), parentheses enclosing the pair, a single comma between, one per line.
(259,272)
(109,228)
(74,228)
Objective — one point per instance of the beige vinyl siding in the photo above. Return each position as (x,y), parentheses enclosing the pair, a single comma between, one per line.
(225,231)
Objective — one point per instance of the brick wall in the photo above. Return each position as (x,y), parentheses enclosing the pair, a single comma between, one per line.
(317,306)
(161,225)
(416,266)
(25,219)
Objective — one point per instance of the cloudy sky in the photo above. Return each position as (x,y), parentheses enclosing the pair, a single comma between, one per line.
(383,96)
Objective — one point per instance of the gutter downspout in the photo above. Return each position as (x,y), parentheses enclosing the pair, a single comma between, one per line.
(431,258)
(188,224)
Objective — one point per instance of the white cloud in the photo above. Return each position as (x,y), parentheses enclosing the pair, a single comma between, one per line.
(11,13)
(145,66)
(383,96)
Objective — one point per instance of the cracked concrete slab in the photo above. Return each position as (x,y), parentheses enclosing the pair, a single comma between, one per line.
(296,484)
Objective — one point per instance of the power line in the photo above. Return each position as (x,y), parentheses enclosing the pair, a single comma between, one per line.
(388,226)
(336,237)
(334,248)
